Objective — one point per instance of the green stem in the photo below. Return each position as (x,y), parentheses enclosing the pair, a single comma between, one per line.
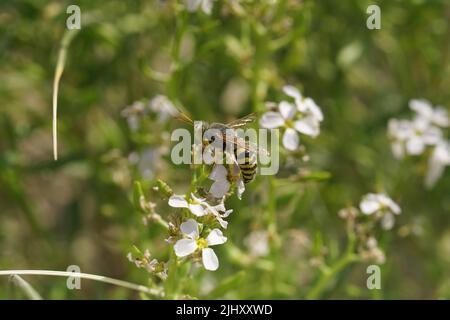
(171,283)
(329,273)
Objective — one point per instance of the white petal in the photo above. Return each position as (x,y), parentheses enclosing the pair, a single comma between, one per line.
(394,207)
(422,107)
(209,259)
(185,247)
(290,139)
(219,173)
(314,109)
(397,149)
(287,110)
(369,204)
(271,120)
(223,223)
(190,228)
(216,237)
(227,213)
(387,221)
(440,117)
(178,201)
(292,91)
(192,5)
(207,6)
(219,188)
(307,126)
(440,158)
(240,188)
(197,209)
(432,136)
(415,145)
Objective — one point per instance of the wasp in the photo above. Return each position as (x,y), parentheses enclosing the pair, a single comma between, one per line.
(224,135)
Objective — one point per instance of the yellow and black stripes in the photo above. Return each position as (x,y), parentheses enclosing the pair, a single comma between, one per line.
(247,164)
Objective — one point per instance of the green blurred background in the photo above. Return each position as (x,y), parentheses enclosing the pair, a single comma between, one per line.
(77,211)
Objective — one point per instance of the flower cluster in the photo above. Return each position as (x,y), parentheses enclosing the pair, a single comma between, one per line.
(136,112)
(298,115)
(203,5)
(142,115)
(192,242)
(422,133)
(375,209)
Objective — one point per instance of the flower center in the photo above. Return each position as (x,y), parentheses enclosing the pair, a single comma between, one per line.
(289,123)
(202,243)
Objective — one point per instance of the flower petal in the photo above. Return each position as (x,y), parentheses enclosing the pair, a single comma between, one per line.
(287,110)
(197,210)
(209,259)
(415,145)
(292,91)
(240,188)
(192,5)
(178,201)
(387,221)
(216,237)
(185,247)
(307,126)
(314,109)
(190,228)
(369,204)
(421,107)
(219,188)
(271,120)
(207,6)
(218,173)
(290,139)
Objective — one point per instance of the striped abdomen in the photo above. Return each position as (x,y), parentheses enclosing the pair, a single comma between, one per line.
(247,164)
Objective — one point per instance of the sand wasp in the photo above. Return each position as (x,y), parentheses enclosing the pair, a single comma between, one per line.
(244,151)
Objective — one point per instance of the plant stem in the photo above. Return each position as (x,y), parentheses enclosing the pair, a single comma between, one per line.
(62,56)
(327,275)
(27,289)
(116,282)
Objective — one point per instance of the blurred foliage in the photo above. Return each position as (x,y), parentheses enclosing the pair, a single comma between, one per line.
(79,209)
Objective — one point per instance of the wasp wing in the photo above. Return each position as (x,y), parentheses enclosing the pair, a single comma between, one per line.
(242,121)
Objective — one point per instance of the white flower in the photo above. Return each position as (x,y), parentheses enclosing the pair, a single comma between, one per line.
(147,162)
(257,243)
(163,107)
(221,184)
(303,116)
(134,113)
(204,5)
(200,207)
(412,137)
(193,242)
(381,205)
(440,158)
(437,116)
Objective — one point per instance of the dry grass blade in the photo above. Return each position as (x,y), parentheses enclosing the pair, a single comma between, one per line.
(26,288)
(62,56)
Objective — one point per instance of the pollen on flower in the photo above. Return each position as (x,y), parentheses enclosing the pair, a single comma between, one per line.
(202,243)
